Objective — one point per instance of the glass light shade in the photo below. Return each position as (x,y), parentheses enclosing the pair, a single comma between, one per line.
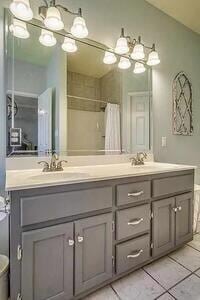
(53,19)
(19,29)
(21,9)
(69,45)
(153,58)
(139,68)
(47,38)
(79,28)
(124,63)
(122,46)
(138,52)
(109,58)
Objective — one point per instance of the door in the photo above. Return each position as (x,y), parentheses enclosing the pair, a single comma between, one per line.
(184,218)
(47,263)
(93,251)
(45,122)
(140,129)
(163,225)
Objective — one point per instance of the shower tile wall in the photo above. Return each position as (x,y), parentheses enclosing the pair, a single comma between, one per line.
(86,130)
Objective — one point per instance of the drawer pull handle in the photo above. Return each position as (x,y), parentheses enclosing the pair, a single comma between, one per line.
(80,239)
(71,242)
(135,222)
(135,255)
(137,194)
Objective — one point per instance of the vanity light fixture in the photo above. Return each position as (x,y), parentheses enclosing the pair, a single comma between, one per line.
(124,63)
(19,29)
(21,9)
(79,28)
(51,16)
(138,50)
(47,38)
(109,58)
(122,44)
(139,68)
(69,45)
(153,58)
(53,19)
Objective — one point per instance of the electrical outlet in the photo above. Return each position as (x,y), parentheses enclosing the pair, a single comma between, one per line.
(164,141)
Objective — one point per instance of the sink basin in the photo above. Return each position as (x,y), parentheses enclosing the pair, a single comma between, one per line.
(58,176)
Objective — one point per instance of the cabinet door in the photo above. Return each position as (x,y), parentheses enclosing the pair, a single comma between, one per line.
(47,263)
(163,229)
(184,218)
(93,251)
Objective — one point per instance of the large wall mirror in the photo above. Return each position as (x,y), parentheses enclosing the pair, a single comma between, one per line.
(73,103)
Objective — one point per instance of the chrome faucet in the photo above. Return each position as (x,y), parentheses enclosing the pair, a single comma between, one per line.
(54,165)
(139,159)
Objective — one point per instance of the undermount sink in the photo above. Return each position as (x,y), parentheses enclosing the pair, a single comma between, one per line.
(58,176)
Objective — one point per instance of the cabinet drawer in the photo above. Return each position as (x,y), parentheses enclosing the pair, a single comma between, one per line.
(43,208)
(132,253)
(133,192)
(172,185)
(132,221)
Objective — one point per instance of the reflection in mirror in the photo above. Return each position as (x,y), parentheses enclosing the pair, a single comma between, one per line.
(73,103)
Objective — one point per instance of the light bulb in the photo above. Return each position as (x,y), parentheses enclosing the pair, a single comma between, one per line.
(19,29)
(122,46)
(124,63)
(47,38)
(53,19)
(21,9)
(79,28)
(139,68)
(153,58)
(138,52)
(109,58)
(69,45)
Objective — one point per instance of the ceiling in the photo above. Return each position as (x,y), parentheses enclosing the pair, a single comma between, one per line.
(184,11)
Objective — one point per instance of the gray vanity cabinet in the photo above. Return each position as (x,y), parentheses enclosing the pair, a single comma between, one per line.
(184,218)
(47,265)
(163,225)
(93,251)
(172,222)
(66,241)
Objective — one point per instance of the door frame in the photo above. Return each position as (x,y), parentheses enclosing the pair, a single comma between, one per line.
(3,105)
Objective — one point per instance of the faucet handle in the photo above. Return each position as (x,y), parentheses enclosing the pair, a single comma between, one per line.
(45,164)
(59,165)
(142,155)
(132,160)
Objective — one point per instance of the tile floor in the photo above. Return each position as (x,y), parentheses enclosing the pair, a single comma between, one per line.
(176,276)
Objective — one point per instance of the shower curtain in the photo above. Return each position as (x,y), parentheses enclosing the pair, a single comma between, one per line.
(112,129)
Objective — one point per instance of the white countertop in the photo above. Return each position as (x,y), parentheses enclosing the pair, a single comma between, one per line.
(34,178)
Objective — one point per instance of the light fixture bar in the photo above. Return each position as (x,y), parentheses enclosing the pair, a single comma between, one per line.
(78,13)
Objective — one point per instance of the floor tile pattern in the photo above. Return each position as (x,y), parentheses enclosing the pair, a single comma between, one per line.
(176,276)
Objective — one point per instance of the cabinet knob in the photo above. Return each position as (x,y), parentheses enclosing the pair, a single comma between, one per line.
(175,209)
(80,239)
(71,242)
(179,208)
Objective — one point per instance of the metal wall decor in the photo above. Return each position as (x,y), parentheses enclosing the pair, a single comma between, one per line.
(182,105)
